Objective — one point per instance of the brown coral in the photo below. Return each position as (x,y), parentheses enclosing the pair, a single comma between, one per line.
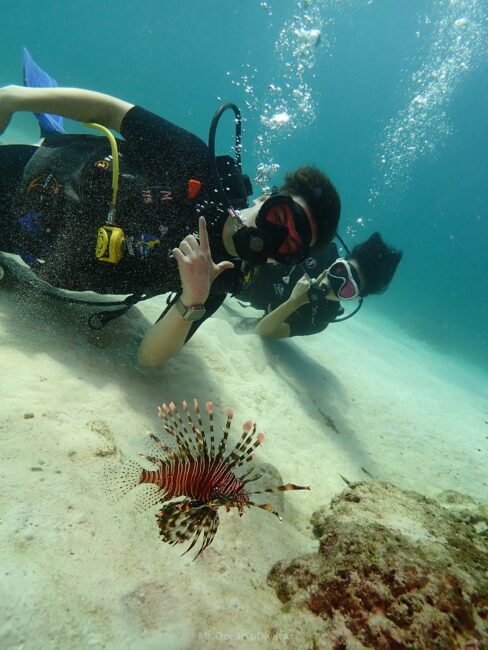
(393,570)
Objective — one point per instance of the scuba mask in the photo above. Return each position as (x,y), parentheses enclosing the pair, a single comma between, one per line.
(343,280)
(285,240)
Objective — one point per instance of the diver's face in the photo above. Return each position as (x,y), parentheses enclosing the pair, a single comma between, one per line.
(282,213)
(343,280)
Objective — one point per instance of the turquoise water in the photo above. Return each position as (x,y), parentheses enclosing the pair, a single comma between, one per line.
(389,98)
(429,197)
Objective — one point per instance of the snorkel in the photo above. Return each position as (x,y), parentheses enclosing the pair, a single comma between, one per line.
(237,185)
(228,171)
(250,245)
(267,238)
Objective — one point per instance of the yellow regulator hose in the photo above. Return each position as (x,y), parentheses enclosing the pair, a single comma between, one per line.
(115,166)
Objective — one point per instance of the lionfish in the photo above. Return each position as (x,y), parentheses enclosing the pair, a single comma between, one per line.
(198,477)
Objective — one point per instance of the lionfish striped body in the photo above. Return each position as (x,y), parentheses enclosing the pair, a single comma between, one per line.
(200,479)
(199,476)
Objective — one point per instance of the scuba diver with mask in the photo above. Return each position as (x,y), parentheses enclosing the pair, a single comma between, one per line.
(297,304)
(92,213)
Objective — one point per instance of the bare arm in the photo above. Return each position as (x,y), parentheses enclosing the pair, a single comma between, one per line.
(274,325)
(73,103)
(197,272)
(165,339)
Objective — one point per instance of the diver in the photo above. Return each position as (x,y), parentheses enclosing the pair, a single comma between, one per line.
(305,299)
(89,212)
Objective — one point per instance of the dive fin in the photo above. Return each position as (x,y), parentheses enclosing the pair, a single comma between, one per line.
(35,77)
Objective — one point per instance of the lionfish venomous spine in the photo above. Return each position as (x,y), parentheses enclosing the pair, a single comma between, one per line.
(200,476)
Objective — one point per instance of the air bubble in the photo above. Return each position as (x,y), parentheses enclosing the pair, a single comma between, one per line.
(458,42)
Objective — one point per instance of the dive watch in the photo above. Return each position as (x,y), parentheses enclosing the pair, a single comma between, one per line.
(190,313)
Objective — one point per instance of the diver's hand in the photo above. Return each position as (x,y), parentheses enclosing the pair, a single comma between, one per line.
(300,290)
(6,106)
(196,266)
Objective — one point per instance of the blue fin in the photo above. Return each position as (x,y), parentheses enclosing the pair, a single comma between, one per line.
(35,77)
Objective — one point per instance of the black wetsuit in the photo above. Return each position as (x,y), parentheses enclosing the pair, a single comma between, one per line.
(272,285)
(54,198)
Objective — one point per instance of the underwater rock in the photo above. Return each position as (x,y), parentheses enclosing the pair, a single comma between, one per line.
(470,511)
(394,569)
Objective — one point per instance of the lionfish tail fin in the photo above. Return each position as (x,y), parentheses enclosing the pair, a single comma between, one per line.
(120,477)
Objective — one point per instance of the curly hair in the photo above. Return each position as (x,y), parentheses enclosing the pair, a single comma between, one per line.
(321,197)
(378,262)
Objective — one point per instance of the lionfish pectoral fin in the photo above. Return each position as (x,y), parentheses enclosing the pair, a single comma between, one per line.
(210,528)
(178,525)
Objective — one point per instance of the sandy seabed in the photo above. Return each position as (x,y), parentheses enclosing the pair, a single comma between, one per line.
(77,570)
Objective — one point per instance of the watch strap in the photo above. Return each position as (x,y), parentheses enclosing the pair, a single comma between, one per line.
(195,312)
